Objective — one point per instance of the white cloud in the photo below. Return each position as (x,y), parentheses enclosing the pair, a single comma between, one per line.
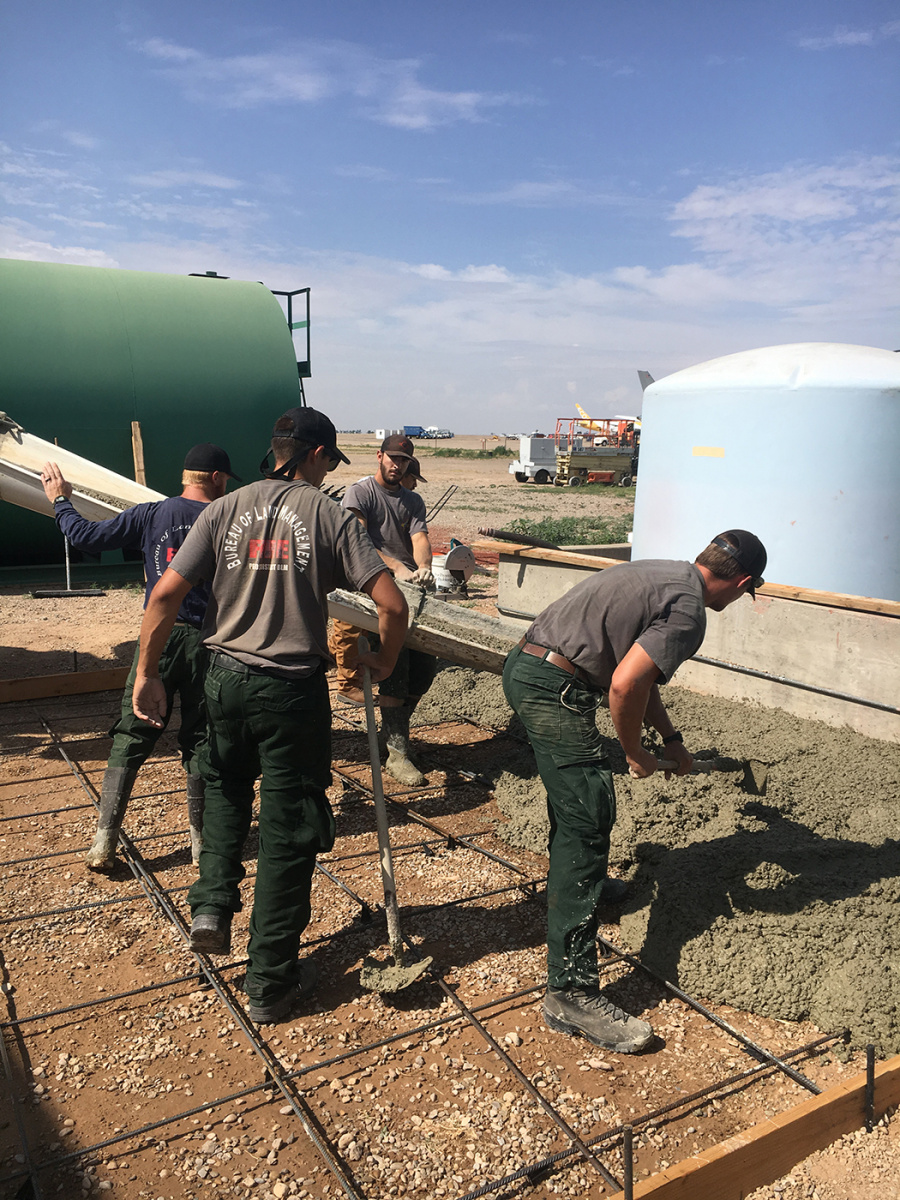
(554,193)
(809,243)
(472,274)
(236,220)
(175,179)
(388,90)
(81,141)
(160,48)
(21,241)
(843,36)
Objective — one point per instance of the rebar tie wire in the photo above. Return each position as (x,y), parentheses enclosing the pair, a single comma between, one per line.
(160,901)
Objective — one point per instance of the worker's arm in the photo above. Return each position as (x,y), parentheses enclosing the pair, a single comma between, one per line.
(149,696)
(421,548)
(661,722)
(400,571)
(91,536)
(634,697)
(392,617)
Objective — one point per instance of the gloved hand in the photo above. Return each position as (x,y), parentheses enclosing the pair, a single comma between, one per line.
(423,577)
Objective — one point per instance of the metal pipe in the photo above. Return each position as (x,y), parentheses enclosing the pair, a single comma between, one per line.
(522,539)
(806,687)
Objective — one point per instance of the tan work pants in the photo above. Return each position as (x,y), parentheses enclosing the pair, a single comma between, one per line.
(343,644)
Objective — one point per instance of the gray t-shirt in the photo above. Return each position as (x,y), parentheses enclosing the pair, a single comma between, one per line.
(391,517)
(273,551)
(655,602)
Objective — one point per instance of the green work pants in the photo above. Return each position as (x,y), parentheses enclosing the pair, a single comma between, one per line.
(558,713)
(182,667)
(278,729)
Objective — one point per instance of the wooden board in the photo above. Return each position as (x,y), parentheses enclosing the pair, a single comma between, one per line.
(73,683)
(780,591)
(761,1155)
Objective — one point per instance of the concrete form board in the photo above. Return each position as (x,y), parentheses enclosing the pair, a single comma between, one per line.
(835,648)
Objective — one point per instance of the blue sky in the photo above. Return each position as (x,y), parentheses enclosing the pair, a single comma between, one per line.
(501,208)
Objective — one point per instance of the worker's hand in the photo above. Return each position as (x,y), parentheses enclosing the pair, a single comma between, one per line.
(642,764)
(54,482)
(379,667)
(149,700)
(677,753)
(404,574)
(423,577)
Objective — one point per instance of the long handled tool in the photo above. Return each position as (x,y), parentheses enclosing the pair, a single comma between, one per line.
(376,976)
(756,774)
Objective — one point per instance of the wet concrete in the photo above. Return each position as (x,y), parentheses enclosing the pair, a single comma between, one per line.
(784,904)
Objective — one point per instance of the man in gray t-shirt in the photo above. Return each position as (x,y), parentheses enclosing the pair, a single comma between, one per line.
(394,518)
(272,551)
(623,631)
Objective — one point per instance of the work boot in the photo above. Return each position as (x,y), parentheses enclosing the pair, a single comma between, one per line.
(211,933)
(613,891)
(588,1012)
(395,731)
(196,799)
(270,1012)
(114,794)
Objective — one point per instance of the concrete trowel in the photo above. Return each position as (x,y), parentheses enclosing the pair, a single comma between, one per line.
(376,976)
(756,774)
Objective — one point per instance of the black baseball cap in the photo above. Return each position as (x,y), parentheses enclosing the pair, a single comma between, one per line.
(747,551)
(398,445)
(310,426)
(413,468)
(207,457)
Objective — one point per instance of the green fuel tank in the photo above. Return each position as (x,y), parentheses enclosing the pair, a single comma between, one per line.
(86,351)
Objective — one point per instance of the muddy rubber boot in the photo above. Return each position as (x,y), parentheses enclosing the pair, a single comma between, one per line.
(196,799)
(395,730)
(114,793)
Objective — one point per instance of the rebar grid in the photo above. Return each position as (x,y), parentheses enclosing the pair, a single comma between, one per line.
(282,1080)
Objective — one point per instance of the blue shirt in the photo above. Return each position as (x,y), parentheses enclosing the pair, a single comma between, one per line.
(157,529)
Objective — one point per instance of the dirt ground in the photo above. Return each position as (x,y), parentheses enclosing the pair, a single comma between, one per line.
(772,910)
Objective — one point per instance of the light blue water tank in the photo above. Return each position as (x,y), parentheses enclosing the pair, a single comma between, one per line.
(799,443)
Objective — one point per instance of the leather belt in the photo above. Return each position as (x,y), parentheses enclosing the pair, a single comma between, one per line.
(226,663)
(551,656)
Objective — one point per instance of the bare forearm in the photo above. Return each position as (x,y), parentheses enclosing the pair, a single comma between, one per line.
(628,709)
(421,546)
(394,565)
(159,618)
(656,714)
(392,617)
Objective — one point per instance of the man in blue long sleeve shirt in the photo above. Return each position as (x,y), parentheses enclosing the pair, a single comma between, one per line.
(158,529)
